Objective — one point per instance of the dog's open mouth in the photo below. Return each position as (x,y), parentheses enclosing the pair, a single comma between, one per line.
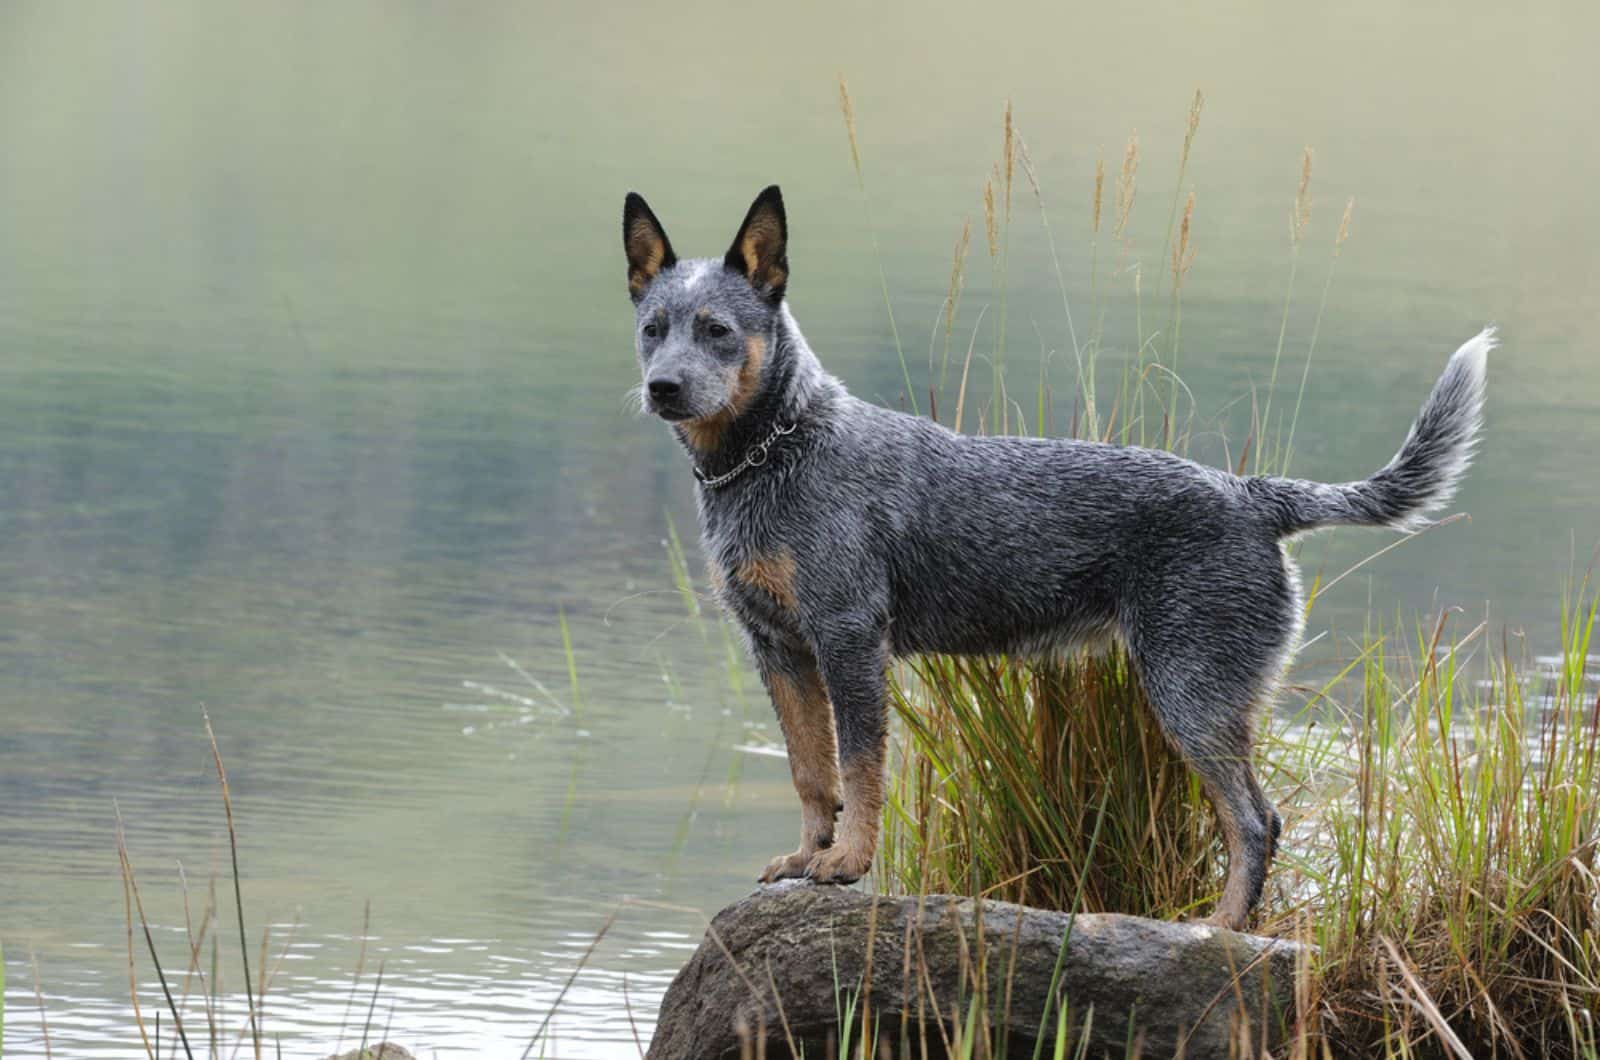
(671,414)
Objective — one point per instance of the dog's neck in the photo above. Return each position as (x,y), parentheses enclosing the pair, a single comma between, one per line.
(792,380)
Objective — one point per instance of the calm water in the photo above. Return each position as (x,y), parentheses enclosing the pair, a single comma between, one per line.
(313,355)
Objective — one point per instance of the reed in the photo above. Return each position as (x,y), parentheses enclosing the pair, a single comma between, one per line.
(847,110)
(1299,218)
(1190,129)
(1316,330)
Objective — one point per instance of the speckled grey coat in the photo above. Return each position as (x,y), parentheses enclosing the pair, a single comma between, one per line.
(863,532)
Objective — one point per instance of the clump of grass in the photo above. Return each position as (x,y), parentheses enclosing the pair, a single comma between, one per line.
(1456,889)
(1003,800)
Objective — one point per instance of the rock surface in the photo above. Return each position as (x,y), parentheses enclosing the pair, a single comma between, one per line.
(1185,988)
(381,1051)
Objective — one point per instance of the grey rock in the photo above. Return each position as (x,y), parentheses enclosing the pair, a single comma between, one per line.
(381,1051)
(1186,989)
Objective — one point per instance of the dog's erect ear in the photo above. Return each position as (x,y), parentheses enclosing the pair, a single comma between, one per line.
(760,251)
(645,242)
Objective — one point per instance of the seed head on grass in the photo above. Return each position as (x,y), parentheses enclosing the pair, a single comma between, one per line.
(849,112)
(1008,153)
(1344,226)
(952,299)
(1099,190)
(1192,128)
(1300,216)
(1182,251)
(991,227)
(1127,184)
(958,264)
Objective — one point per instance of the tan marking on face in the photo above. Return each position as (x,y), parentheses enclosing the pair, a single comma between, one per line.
(748,381)
(705,433)
(773,573)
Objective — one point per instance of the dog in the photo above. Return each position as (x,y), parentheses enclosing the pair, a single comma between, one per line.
(840,533)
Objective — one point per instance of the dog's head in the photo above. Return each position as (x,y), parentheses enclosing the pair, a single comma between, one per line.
(703,325)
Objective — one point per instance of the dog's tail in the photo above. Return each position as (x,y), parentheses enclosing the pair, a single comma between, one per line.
(1421,477)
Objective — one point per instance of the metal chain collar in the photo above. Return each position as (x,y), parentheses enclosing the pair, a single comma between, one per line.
(755,457)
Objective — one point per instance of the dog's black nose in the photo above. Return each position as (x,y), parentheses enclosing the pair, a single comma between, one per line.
(664,389)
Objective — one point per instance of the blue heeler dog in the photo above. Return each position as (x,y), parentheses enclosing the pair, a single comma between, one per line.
(840,533)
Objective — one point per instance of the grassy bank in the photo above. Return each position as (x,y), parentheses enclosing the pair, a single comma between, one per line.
(1441,800)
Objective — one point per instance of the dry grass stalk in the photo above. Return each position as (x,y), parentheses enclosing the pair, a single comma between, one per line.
(372,1006)
(1008,153)
(38,995)
(1182,251)
(1193,127)
(1127,184)
(849,112)
(196,952)
(131,886)
(544,1025)
(1190,129)
(238,892)
(1061,283)
(133,978)
(361,966)
(991,227)
(1302,202)
(966,370)
(1099,189)
(1344,226)
(958,277)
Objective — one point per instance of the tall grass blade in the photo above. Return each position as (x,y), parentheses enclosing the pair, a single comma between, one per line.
(150,942)
(238,891)
(847,109)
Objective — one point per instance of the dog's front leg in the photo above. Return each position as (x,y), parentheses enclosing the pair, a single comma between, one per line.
(854,660)
(801,702)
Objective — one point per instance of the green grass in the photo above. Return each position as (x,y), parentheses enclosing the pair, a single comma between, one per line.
(1441,797)
(1440,842)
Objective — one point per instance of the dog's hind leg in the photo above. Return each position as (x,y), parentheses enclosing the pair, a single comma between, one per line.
(1209,722)
(806,717)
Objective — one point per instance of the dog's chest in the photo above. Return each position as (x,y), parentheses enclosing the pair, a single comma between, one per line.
(756,575)
(751,540)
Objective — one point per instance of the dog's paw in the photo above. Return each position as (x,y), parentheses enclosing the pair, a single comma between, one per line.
(1223,920)
(839,864)
(786,867)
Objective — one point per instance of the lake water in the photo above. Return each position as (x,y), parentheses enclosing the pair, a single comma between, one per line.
(314,350)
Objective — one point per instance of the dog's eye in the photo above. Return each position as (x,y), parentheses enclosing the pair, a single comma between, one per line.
(652,330)
(717,331)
